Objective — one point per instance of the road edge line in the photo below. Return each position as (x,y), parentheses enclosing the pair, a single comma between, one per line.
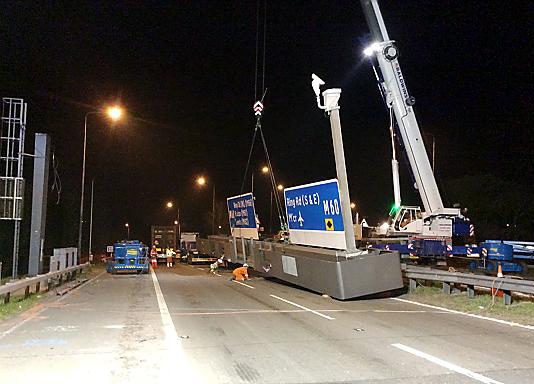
(44,307)
(172,342)
(480,317)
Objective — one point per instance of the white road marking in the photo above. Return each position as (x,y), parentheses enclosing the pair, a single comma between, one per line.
(13,328)
(114,326)
(218,274)
(34,315)
(446,364)
(510,323)
(303,307)
(176,358)
(61,328)
(246,285)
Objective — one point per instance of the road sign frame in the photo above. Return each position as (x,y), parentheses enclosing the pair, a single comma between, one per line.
(309,209)
(245,207)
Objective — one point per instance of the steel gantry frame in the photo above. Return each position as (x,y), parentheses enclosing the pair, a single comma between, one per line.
(13,130)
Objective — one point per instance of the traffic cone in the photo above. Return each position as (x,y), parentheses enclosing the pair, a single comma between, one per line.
(499,271)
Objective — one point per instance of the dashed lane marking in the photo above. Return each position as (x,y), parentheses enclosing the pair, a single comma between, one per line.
(303,307)
(446,364)
(246,285)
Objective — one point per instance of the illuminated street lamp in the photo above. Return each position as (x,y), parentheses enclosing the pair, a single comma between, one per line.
(114,113)
(280,187)
(265,169)
(128,229)
(201,180)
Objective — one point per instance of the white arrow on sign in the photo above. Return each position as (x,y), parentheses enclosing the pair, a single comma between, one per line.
(300,219)
(258,108)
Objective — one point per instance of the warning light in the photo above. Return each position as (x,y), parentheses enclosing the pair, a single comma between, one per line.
(394,209)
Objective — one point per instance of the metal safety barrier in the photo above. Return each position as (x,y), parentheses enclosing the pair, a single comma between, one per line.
(506,285)
(61,276)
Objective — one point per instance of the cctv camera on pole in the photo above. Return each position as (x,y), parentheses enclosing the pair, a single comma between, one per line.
(330,99)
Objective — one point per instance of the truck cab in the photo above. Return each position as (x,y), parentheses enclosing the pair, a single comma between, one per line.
(128,256)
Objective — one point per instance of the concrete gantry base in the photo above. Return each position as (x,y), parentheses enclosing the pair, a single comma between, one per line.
(342,279)
(325,271)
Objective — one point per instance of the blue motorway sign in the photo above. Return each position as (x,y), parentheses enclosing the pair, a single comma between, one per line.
(314,207)
(314,214)
(242,215)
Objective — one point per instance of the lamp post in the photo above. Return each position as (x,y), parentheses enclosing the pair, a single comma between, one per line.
(91,222)
(265,171)
(201,181)
(353,207)
(128,229)
(169,205)
(114,113)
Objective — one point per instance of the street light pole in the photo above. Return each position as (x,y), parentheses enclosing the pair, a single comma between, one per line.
(179,228)
(271,215)
(201,181)
(128,229)
(91,222)
(213,212)
(80,225)
(114,113)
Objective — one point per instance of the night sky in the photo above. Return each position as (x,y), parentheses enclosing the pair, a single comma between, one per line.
(185,72)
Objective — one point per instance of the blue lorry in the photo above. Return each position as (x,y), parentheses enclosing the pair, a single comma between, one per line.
(129,256)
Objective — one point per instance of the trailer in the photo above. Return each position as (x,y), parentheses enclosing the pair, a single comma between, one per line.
(163,237)
(190,246)
(511,256)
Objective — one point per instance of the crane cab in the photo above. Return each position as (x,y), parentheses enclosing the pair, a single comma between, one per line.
(407,220)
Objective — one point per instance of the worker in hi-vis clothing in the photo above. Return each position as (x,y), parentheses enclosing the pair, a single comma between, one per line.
(215,266)
(170,260)
(154,257)
(241,273)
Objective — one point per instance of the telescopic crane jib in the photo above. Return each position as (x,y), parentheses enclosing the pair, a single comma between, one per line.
(436,220)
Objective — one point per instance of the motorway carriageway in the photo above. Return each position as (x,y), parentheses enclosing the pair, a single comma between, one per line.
(184,325)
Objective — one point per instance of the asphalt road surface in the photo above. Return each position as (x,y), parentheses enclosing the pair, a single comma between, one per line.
(184,325)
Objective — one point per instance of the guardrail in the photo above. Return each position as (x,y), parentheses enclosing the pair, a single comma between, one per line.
(507,285)
(66,274)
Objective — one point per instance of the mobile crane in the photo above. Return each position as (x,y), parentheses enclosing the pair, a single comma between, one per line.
(436,221)
(427,233)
